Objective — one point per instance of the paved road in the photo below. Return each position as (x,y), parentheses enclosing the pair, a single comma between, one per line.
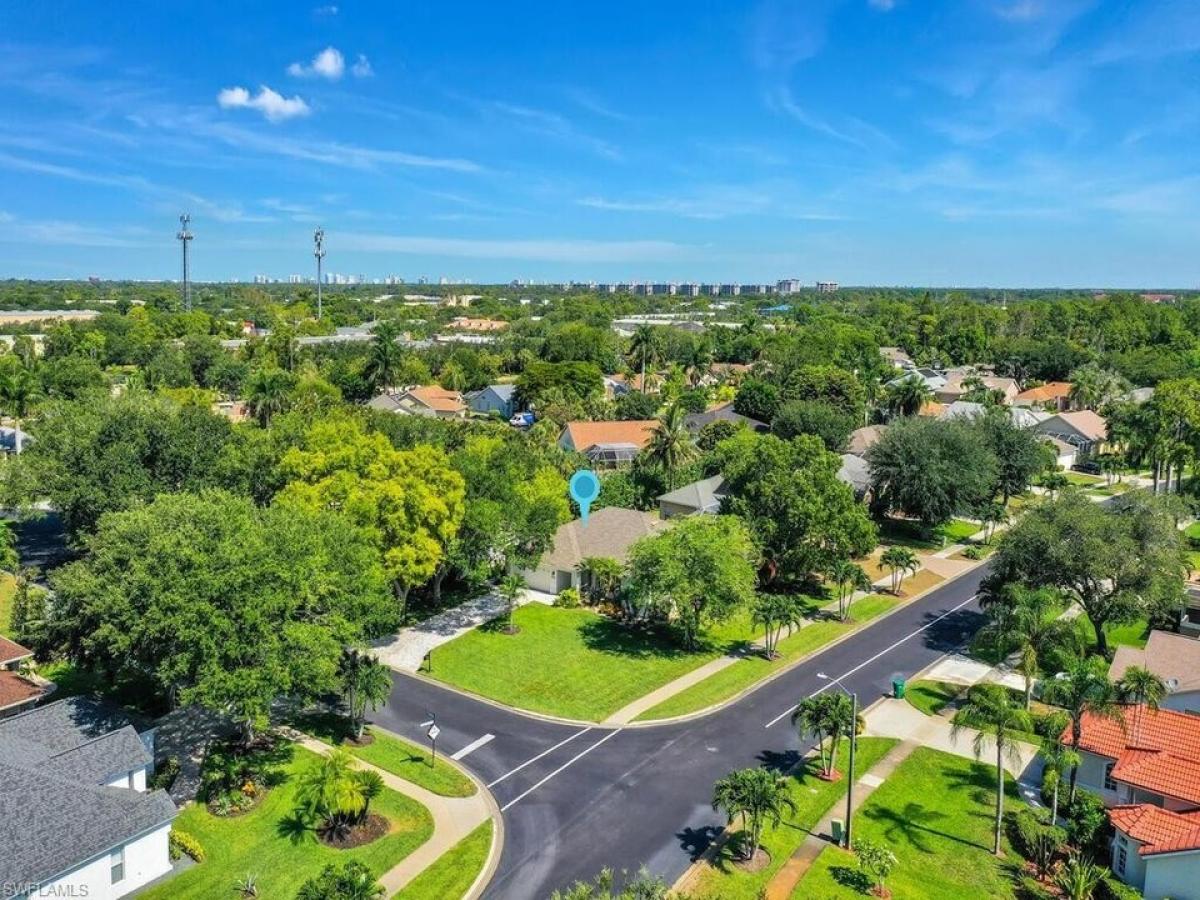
(578,799)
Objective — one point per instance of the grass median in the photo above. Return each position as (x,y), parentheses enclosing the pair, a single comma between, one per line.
(744,673)
(453,873)
(723,878)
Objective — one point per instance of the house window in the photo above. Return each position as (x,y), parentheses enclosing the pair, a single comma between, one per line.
(1121,857)
(116,865)
(130,779)
(1109,784)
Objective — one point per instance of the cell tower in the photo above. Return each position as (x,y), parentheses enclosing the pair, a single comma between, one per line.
(185,238)
(319,253)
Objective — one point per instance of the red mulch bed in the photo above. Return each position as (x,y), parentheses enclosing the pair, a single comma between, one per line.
(372,829)
(759,861)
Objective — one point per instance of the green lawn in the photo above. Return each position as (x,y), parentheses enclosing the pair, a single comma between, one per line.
(1083,479)
(935,813)
(8,588)
(904,533)
(929,696)
(454,871)
(268,844)
(1130,634)
(747,671)
(390,752)
(813,798)
(1192,533)
(567,662)
(958,530)
(411,762)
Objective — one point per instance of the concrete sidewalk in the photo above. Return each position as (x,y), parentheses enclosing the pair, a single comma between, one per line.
(453,819)
(406,649)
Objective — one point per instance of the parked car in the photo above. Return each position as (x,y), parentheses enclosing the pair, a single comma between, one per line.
(522,420)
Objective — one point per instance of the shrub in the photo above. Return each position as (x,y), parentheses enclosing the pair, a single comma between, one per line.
(165,774)
(972,551)
(1037,839)
(353,880)
(1087,823)
(1112,889)
(180,843)
(568,598)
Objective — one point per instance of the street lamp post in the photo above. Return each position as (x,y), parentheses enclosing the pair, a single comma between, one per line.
(853,746)
(319,253)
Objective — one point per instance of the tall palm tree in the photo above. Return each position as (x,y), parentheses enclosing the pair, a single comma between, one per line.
(643,346)
(267,393)
(671,444)
(1037,629)
(825,716)
(1144,690)
(366,684)
(1083,689)
(906,396)
(385,357)
(18,388)
(511,587)
(989,710)
(774,612)
(1093,386)
(1057,756)
(849,577)
(901,561)
(759,796)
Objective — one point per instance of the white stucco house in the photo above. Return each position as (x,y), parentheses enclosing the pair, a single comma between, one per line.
(76,818)
(609,532)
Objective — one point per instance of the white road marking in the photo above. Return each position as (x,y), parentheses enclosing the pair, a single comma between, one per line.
(473,746)
(539,756)
(578,756)
(828,684)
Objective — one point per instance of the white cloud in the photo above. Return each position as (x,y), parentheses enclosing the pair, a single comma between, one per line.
(362,67)
(329,64)
(273,105)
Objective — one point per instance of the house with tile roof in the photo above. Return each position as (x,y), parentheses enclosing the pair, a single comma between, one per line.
(17,691)
(1083,429)
(609,443)
(1053,395)
(1174,658)
(722,412)
(959,382)
(423,400)
(76,817)
(1155,850)
(863,439)
(609,532)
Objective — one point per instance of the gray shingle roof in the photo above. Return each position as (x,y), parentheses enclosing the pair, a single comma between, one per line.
(703,495)
(696,421)
(55,810)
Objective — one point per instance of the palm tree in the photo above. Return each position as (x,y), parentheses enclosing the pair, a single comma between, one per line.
(758,796)
(849,577)
(1093,386)
(512,586)
(331,793)
(602,574)
(267,393)
(643,345)
(1057,756)
(901,561)
(774,612)
(366,684)
(989,710)
(1143,689)
(671,444)
(1082,690)
(384,360)
(1078,878)
(906,396)
(1053,482)
(994,515)
(1037,629)
(829,715)
(18,388)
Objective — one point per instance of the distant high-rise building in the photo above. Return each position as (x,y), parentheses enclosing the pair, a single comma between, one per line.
(688,289)
(827,287)
(789,285)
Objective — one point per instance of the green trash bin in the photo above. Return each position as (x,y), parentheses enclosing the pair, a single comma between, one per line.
(898,688)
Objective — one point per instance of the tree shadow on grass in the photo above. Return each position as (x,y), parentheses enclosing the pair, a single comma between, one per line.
(911,824)
(851,878)
(295,828)
(639,641)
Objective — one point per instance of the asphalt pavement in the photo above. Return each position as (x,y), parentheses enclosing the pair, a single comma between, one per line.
(576,799)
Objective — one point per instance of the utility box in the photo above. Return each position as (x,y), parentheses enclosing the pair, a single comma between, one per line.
(898,688)
(837,830)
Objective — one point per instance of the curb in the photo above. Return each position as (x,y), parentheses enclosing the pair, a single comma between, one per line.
(708,710)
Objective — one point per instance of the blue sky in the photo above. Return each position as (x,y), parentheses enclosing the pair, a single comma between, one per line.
(965,142)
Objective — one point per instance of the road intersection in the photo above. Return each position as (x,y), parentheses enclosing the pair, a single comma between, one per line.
(576,798)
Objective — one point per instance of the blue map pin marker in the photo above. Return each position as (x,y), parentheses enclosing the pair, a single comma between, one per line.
(585,488)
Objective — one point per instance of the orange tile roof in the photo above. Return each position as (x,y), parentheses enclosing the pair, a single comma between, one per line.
(15,690)
(438,398)
(1053,390)
(11,651)
(932,408)
(463,323)
(1158,830)
(1157,750)
(588,434)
